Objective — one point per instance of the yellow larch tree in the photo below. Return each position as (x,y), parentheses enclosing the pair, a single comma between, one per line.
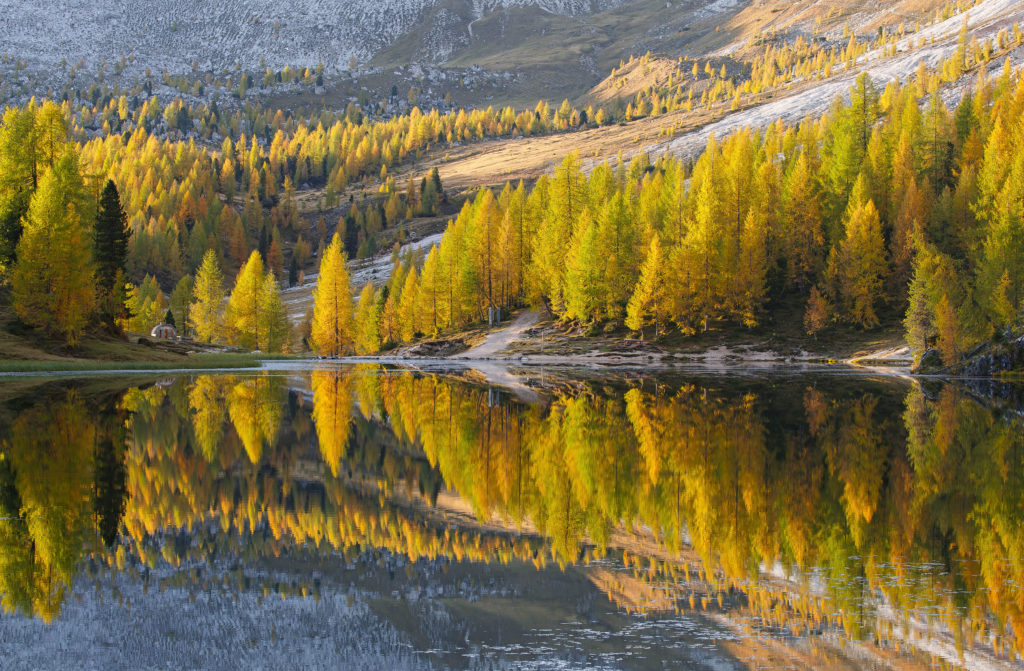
(53,281)
(859,265)
(647,302)
(256,318)
(333,323)
(206,312)
(367,321)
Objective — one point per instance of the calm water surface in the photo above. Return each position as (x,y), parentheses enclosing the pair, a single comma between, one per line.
(370,517)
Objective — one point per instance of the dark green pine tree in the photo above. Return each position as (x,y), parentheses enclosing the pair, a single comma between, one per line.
(435,178)
(112,235)
(11,214)
(110,490)
(264,243)
(428,197)
(169,319)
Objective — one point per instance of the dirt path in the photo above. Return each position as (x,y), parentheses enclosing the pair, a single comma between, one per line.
(499,340)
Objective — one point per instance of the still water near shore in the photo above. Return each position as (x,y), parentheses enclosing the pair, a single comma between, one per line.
(378,517)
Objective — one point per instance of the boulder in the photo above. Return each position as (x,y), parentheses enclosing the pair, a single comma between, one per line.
(930,363)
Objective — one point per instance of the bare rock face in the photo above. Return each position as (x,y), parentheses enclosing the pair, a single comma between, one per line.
(984,368)
(174,35)
(995,358)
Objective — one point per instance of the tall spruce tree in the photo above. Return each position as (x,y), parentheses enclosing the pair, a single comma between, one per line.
(111,237)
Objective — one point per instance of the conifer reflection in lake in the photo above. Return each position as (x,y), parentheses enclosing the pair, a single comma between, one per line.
(364,516)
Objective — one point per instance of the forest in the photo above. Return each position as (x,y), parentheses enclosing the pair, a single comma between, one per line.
(892,207)
(884,209)
(174,201)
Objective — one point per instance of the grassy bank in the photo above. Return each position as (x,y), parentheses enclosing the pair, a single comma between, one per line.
(24,349)
(193,362)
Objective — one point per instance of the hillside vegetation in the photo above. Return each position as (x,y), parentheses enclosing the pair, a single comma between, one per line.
(251,198)
(878,208)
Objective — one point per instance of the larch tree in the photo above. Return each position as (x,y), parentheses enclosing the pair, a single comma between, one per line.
(748,286)
(582,289)
(245,317)
(486,218)
(19,176)
(206,310)
(804,233)
(1001,266)
(53,281)
(367,321)
(407,327)
(275,315)
(51,133)
(621,245)
(847,140)
(390,332)
(646,303)
(430,308)
(705,243)
(861,265)
(449,257)
(567,198)
(333,326)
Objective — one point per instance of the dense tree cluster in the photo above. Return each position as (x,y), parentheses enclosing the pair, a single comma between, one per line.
(181,198)
(884,204)
(253,315)
(62,243)
(889,191)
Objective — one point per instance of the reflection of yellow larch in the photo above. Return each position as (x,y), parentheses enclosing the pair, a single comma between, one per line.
(332,414)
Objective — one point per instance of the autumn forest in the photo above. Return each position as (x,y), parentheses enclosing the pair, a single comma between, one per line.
(886,208)
(714,364)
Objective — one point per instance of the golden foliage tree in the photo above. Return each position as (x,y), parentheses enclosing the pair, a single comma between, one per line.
(647,302)
(53,283)
(206,311)
(367,321)
(333,331)
(859,265)
(256,318)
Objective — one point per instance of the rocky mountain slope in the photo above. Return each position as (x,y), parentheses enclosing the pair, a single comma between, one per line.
(518,50)
(174,35)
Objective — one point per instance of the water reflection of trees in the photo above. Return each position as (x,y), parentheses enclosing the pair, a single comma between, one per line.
(61,493)
(893,514)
